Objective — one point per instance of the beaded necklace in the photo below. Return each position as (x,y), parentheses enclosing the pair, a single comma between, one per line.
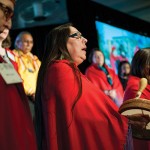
(33,62)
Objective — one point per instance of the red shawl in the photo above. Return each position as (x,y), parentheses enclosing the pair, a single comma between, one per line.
(99,78)
(132,87)
(95,123)
(16,126)
(130,92)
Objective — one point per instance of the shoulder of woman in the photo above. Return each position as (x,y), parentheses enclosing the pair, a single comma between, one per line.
(133,83)
(90,70)
(60,69)
(133,78)
(61,64)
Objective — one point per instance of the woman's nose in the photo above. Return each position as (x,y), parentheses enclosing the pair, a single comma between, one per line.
(85,40)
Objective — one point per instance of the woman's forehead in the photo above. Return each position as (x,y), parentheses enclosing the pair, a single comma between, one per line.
(73,29)
(98,53)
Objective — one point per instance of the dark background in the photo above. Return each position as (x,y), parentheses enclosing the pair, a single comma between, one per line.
(83,13)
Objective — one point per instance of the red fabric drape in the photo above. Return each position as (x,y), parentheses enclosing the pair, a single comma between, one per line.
(95,123)
(99,78)
(16,127)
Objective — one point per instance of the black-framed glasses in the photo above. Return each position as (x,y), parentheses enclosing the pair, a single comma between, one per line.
(8,12)
(76,35)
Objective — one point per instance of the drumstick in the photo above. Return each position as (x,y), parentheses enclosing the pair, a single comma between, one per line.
(142,86)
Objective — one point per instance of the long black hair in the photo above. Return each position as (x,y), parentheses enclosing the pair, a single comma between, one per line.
(55,49)
(140,65)
(121,63)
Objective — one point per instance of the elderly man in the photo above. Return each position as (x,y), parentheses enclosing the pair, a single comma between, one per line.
(28,65)
(16,127)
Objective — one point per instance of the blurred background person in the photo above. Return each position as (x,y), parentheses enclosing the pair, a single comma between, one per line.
(16,127)
(124,72)
(104,77)
(115,59)
(140,68)
(28,65)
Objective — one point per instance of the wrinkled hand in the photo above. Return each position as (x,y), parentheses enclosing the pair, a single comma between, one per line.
(139,121)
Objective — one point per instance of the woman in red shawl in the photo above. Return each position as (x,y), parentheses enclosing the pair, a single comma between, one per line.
(16,127)
(140,68)
(124,72)
(104,77)
(71,113)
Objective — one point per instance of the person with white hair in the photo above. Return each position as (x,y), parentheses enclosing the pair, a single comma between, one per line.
(28,65)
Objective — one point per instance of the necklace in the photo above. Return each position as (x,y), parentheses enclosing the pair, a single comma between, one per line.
(30,61)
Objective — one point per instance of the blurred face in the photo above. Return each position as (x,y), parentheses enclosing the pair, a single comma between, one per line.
(4,34)
(125,69)
(25,44)
(6,13)
(76,46)
(98,58)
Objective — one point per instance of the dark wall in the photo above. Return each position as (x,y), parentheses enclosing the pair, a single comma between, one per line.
(83,13)
(39,34)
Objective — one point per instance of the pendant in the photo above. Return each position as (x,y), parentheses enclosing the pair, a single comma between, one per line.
(30,70)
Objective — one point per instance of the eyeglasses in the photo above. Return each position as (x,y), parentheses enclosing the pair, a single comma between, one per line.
(76,35)
(8,12)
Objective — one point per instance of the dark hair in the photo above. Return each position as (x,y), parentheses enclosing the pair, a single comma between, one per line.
(55,49)
(7,42)
(13,1)
(92,53)
(121,63)
(140,65)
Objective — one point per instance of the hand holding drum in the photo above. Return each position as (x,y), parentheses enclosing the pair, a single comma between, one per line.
(142,86)
(137,110)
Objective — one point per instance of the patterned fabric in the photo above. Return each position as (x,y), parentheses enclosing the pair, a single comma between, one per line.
(28,67)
